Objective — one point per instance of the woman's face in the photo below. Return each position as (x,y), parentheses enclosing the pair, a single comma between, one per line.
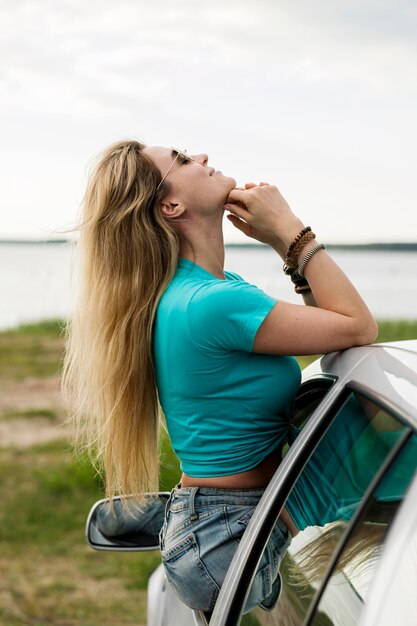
(193,184)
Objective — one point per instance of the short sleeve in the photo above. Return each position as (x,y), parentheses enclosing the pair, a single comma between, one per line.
(227,314)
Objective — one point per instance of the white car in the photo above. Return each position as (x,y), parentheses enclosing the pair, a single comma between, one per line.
(357,411)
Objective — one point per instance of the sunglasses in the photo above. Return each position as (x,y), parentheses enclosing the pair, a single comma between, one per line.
(177,155)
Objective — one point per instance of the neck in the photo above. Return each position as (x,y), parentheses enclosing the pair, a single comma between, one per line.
(203,244)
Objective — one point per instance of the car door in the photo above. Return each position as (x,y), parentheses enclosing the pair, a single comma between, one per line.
(344,481)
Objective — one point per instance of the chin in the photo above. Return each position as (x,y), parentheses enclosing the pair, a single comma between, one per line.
(229,189)
(232,182)
(226,185)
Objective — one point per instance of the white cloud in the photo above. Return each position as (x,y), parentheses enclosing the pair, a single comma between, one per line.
(319,97)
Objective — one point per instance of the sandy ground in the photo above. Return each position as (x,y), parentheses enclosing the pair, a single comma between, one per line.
(31,394)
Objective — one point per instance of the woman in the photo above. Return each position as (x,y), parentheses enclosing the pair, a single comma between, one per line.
(159,319)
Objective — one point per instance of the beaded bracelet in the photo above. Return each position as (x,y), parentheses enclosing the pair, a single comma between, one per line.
(300,282)
(300,245)
(293,274)
(312,252)
(304,231)
(295,247)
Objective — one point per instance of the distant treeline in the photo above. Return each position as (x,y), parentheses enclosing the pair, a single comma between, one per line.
(396,247)
(375,246)
(35,241)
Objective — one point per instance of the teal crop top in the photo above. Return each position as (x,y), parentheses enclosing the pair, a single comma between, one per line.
(226,407)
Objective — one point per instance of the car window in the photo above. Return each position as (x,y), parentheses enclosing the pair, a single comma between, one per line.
(347,588)
(325,498)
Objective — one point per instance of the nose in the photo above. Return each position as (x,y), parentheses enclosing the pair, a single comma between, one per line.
(201,158)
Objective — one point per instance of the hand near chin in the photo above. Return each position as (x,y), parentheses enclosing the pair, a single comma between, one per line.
(260,212)
(245,227)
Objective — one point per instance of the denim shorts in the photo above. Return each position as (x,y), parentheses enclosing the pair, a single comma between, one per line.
(200,534)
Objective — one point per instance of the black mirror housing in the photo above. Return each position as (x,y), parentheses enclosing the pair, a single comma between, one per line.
(120,529)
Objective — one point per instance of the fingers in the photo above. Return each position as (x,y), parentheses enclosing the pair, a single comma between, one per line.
(252,185)
(239,201)
(238,210)
(244,227)
(236,202)
(237,195)
(241,195)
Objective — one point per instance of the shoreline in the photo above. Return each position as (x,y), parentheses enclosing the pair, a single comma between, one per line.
(388,246)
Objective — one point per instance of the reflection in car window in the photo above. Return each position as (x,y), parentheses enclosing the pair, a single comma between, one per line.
(354,570)
(326,496)
(346,460)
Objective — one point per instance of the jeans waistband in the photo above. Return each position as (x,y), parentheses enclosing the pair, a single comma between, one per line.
(197,497)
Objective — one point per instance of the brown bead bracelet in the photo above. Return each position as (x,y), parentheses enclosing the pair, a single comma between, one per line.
(295,247)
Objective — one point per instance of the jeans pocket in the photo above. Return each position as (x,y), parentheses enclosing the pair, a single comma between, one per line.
(279,542)
(238,519)
(188,576)
(261,588)
(267,583)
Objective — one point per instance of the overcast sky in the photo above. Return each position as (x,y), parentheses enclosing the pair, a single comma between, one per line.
(318,98)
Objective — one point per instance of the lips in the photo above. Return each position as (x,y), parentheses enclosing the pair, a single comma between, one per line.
(212,171)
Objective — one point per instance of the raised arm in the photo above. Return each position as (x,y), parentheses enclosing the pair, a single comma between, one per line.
(335,317)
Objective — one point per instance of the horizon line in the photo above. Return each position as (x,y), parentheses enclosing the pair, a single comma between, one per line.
(399,245)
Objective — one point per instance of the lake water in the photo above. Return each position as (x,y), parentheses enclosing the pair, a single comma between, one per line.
(35,279)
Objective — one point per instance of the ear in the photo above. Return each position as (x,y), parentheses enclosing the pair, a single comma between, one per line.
(172,210)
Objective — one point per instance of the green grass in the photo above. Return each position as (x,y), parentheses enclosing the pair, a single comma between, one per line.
(396,330)
(170,473)
(46,329)
(30,413)
(49,502)
(32,350)
(47,490)
(52,576)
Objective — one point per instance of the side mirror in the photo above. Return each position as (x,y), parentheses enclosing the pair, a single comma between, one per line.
(129,531)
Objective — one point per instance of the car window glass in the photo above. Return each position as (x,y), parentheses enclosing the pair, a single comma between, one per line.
(348,587)
(326,496)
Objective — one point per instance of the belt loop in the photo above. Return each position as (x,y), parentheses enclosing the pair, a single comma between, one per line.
(193,514)
(168,504)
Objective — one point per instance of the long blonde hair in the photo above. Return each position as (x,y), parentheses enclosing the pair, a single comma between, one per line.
(360,553)
(127,255)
